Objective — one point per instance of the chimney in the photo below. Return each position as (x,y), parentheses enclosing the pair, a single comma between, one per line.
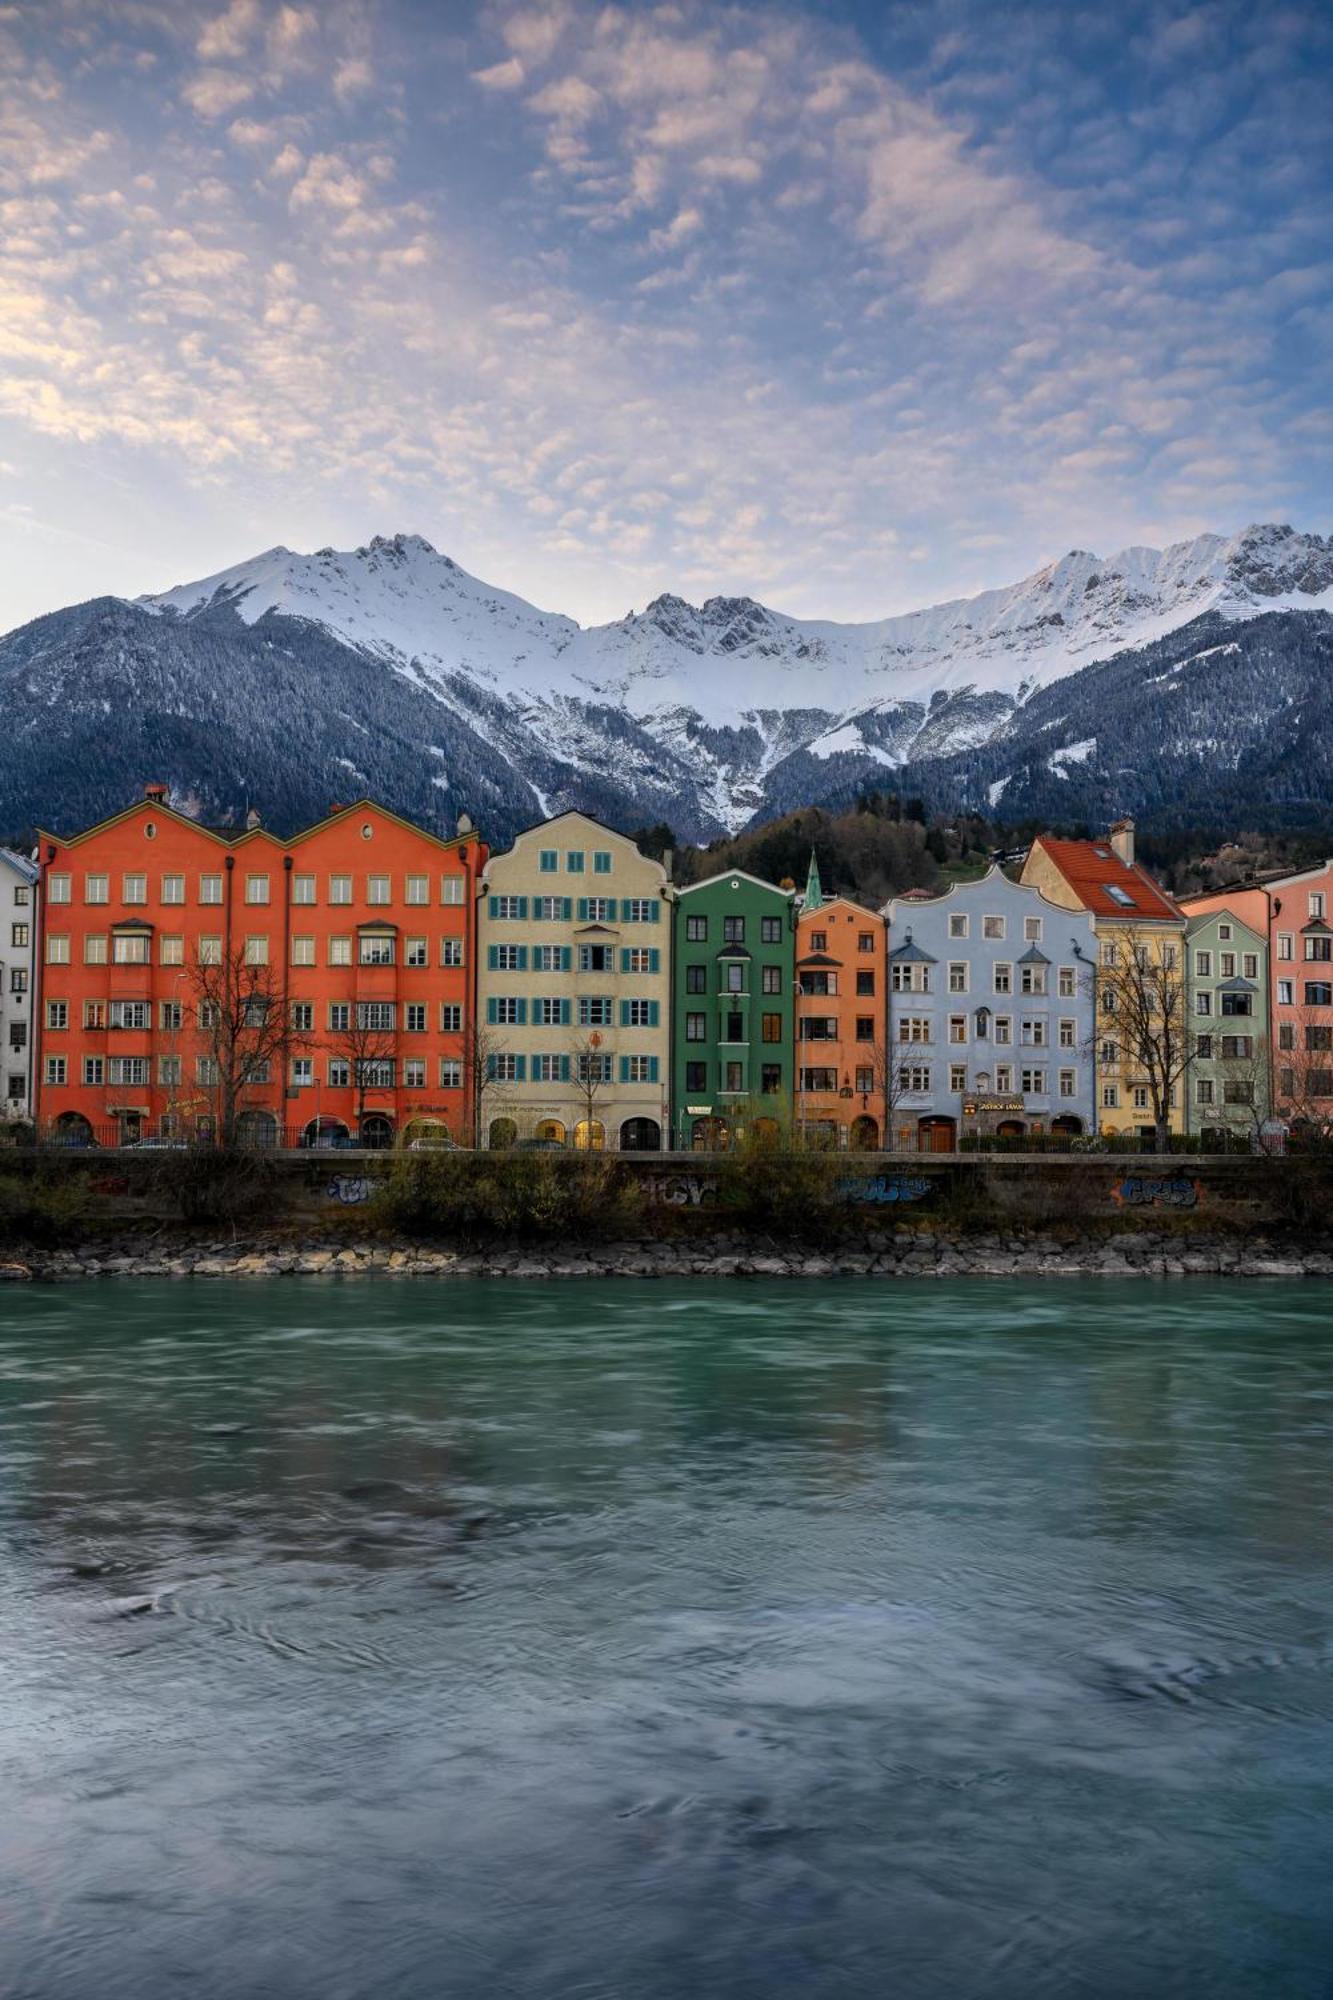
(156,790)
(1122,841)
(252,820)
(338,806)
(464,824)
(668,858)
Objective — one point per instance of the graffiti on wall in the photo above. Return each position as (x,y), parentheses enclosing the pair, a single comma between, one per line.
(1171,1191)
(680,1190)
(350,1189)
(879,1189)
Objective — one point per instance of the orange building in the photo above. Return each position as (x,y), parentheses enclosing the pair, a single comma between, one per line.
(348,951)
(841,1062)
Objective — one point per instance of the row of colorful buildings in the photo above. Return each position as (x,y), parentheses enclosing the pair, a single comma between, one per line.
(368,982)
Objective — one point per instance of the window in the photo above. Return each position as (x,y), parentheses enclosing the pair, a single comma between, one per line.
(1238,1091)
(451,1017)
(638,1013)
(913,1077)
(130,1014)
(958,924)
(1004,1028)
(599,909)
(634,909)
(54,1070)
(696,1076)
(57,888)
(207,1014)
(770,930)
(1110,1097)
(1032,979)
(338,1072)
(914,1028)
(414,1017)
(1003,978)
(551,909)
(1237,1048)
(451,951)
(733,932)
(1285,945)
(1319,1039)
(770,1029)
(818,1079)
(770,1079)
(303,951)
(171,951)
(127,1069)
(169,1070)
(813,1028)
(696,979)
(302,1016)
(303,889)
(865,985)
(1108,1054)
(696,1027)
(451,1073)
(601,862)
(415,952)
(1065,985)
(733,980)
(1316,906)
(1249,964)
(340,951)
(909,978)
(1109,956)
(958,1027)
(696,930)
(551,1013)
(574,861)
(94,1013)
(957,975)
(1032,1033)
(733,1078)
(340,888)
(865,1027)
(770,979)
(590,1067)
(1203,1090)
(1286,1035)
(379,890)
(1286,989)
(130,948)
(596,958)
(1068,1083)
(96,888)
(550,958)
(639,958)
(1121,896)
(1067,1033)
(638,1069)
(452,889)
(1203,1047)
(380,1016)
(548,860)
(992,927)
(507,958)
(375,948)
(303,1072)
(57,948)
(57,1013)
(1139,1097)
(1318,992)
(1237,1003)
(414,1073)
(1224,932)
(1226,964)
(1004,1077)
(256,951)
(594,1010)
(416,889)
(210,888)
(256,888)
(1032,930)
(173,888)
(1033,1082)
(1318,949)
(957,1078)
(1203,1003)
(550,1069)
(504,1068)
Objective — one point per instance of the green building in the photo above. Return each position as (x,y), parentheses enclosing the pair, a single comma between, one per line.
(732,1009)
(1227,985)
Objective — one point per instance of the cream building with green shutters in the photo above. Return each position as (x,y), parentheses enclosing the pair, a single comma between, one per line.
(573,991)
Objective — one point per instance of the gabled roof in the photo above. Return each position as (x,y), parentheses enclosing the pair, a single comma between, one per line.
(237,836)
(26,870)
(734,875)
(817,958)
(908,953)
(1238,986)
(1034,957)
(1106,885)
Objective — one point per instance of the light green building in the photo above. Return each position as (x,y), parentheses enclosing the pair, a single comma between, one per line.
(1226,969)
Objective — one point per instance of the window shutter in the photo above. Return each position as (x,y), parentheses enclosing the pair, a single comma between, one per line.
(566,958)
(654,960)
(624,959)
(625,908)
(624,1020)
(520,1069)
(566,908)
(655,911)
(523,908)
(583,909)
(492,1010)
(491,905)
(522,1013)
(492,956)
(564,1063)
(564,1013)
(624,1069)
(653,1012)
(522,958)
(652,1069)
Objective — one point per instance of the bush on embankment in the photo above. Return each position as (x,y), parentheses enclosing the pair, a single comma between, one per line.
(41,1209)
(483,1197)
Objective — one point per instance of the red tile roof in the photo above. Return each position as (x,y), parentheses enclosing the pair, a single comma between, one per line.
(1092,868)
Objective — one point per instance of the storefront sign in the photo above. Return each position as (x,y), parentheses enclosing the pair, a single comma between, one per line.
(981,1106)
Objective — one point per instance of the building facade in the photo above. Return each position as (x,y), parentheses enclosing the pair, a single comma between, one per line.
(733,1011)
(574,991)
(18,935)
(991,1015)
(224,983)
(841,1022)
(1301,995)
(1144,1035)
(1227,1000)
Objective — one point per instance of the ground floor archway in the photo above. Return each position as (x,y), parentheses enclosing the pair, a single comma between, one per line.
(767,1133)
(502,1135)
(936,1135)
(709,1135)
(1010,1128)
(376,1131)
(1067,1126)
(73,1129)
(257,1129)
(552,1131)
(590,1136)
(322,1132)
(640,1135)
(864,1135)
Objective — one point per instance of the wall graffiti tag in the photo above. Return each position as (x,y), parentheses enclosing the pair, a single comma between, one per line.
(879,1189)
(680,1190)
(1172,1191)
(350,1189)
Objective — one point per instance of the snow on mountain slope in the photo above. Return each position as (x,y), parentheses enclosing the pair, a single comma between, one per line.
(736,689)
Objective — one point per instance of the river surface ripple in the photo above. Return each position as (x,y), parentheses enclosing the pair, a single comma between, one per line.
(619,1641)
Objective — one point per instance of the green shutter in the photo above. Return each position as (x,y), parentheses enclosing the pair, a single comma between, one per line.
(566,957)
(492,1010)
(492,956)
(624,1069)
(624,1015)
(583,909)
(522,1013)
(564,1013)
(653,1011)
(655,910)
(654,960)
(624,958)
(523,908)
(492,905)
(520,1069)
(566,908)
(564,1065)
(522,958)
(652,1069)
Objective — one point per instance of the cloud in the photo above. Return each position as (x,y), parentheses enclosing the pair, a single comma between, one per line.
(215,92)
(507,75)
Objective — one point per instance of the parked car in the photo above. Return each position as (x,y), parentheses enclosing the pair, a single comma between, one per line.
(333,1142)
(538,1146)
(156,1146)
(433,1145)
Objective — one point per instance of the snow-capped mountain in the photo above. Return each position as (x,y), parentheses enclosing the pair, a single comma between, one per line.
(393,667)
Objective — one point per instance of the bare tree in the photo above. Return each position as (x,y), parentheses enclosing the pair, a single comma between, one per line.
(1303,1074)
(366,1041)
(1140,987)
(1243,1070)
(589,1066)
(243,1031)
(480,1047)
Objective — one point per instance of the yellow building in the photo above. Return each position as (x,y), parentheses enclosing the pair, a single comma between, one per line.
(1143,1031)
(574,991)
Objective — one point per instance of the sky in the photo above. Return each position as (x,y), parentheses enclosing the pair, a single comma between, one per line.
(846,307)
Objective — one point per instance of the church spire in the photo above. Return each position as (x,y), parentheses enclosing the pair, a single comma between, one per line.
(814,894)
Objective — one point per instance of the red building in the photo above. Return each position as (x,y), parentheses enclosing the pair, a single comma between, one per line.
(198,981)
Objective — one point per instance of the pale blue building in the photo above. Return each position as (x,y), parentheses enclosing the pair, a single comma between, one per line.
(992,1015)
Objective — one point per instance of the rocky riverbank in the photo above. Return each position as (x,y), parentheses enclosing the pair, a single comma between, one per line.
(905,1254)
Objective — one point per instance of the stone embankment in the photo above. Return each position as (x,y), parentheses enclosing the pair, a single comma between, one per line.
(906,1254)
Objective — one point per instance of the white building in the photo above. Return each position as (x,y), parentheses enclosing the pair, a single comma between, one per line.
(18,929)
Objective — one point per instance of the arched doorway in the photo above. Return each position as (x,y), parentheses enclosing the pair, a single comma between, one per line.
(709,1135)
(1010,1128)
(322,1133)
(551,1130)
(73,1129)
(864,1135)
(590,1136)
(766,1133)
(936,1135)
(640,1135)
(425,1132)
(821,1134)
(502,1135)
(1069,1126)
(376,1131)
(131,1124)
(257,1129)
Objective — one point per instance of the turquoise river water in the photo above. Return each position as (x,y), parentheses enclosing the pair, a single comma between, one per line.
(624,1641)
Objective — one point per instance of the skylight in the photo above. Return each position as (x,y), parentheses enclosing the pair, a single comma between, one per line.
(1119,895)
